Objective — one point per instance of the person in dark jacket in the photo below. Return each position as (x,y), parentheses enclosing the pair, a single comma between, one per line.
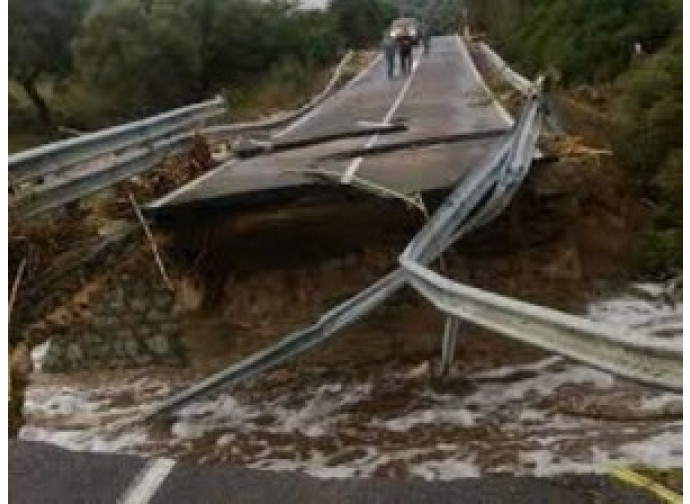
(405,43)
(389,48)
(426,40)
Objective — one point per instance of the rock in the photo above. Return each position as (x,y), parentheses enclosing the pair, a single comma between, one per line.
(119,348)
(125,333)
(143,331)
(131,346)
(163,299)
(157,315)
(188,296)
(74,354)
(130,318)
(138,289)
(106,322)
(159,344)
(102,351)
(138,304)
(170,328)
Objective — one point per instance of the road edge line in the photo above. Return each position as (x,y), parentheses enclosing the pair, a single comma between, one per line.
(301,120)
(478,77)
(147,482)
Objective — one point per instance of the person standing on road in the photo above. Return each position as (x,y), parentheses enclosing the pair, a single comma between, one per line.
(405,43)
(389,47)
(426,40)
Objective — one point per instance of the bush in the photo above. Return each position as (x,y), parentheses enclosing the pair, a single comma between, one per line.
(662,253)
(650,106)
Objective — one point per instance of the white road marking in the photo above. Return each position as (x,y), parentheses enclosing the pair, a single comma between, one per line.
(477,76)
(184,188)
(355,163)
(147,482)
(318,108)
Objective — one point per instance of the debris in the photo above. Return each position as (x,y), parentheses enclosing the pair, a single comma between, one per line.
(15,287)
(152,242)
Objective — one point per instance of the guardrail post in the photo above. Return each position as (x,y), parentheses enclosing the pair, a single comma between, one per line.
(448,345)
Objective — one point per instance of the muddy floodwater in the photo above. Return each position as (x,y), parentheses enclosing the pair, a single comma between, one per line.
(542,416)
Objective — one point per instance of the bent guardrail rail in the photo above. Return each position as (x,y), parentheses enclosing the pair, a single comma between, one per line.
(458,214)
(59,156)
(518,81)
(651,361)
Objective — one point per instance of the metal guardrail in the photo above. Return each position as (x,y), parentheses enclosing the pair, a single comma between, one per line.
(71,188)
(458,214)
(59,156)
(519,82)
(134,148)
(476,200)
(650,361)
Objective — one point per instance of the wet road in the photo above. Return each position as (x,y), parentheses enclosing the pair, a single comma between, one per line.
(40,473)
(443,95)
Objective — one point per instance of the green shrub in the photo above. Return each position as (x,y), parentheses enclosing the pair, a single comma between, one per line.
(662,253)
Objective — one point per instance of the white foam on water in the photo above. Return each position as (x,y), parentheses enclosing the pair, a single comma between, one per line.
(650,317)
(445,470)
(515,407)
(663,450)
(438,416)
(543,384)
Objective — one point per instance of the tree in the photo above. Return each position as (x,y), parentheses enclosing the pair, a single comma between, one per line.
(39,38)
(166,52)
(361,22)
(145,55)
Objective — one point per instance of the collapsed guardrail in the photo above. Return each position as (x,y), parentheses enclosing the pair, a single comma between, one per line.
(650,361)
(477,199)
(457,215)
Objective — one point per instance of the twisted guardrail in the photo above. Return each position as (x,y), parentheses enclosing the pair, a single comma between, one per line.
(461,212)
(477,199)
(651,361)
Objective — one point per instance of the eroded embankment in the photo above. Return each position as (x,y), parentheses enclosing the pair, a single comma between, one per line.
(266,273)
(363,403)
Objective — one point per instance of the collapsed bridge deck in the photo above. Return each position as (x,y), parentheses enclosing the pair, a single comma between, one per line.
(443,95)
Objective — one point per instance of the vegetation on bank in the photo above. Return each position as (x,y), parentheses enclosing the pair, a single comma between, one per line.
(633,50)
(85,64)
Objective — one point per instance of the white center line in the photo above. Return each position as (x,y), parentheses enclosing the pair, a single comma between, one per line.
(229,164)
(354,164)
(147,482)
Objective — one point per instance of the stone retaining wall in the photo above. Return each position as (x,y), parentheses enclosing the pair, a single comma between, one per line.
(132,323)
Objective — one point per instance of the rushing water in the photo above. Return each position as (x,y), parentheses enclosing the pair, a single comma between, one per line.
(543,417)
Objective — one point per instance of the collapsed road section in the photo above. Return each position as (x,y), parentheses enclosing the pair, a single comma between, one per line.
(356,418)
(476,200)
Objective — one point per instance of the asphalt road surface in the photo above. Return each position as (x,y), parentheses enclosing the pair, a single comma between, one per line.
(43,474)
(443,95)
